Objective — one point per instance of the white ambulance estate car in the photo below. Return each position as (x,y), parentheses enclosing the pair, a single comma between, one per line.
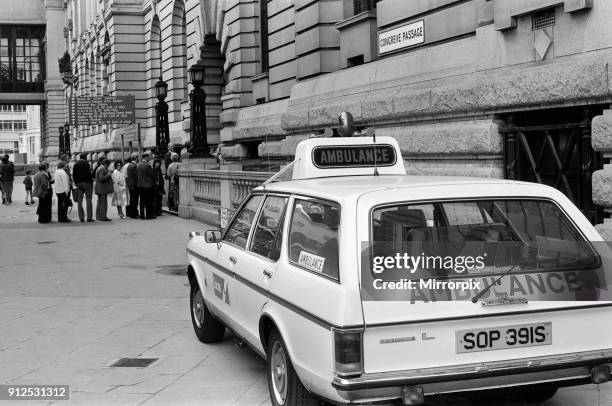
(313,273)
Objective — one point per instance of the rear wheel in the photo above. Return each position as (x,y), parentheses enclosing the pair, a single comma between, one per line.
(207,328)
(283,383)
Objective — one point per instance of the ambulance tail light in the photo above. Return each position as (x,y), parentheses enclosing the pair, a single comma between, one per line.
(348,352)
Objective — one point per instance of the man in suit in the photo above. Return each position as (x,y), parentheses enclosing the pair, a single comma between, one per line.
(146,184)
(103,186)
(132,186)
(83,178)
(7,177)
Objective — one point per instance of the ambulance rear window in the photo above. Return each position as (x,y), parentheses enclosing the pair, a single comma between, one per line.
(535,234)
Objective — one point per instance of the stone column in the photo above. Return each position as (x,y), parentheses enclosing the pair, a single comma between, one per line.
(54,89)
(601,139)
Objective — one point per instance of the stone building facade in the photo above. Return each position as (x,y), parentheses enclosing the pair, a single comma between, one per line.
(30,139)
(495,88)
(31,41)
(12,123)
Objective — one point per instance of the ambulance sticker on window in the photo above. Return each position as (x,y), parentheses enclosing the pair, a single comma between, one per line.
(353,156)
(311,261)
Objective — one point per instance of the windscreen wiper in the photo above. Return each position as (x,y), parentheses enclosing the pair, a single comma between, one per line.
(486,288)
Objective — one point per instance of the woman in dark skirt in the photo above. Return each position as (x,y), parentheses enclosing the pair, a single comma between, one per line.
(42,189)
(160,189)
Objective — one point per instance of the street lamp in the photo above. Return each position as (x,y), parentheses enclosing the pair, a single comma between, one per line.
(198,139)
(162,130)
(61,141)
(67,139)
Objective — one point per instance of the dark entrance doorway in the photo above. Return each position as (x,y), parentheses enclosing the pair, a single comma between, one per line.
(553,147)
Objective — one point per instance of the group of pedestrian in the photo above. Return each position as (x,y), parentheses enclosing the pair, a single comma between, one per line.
(139,186)
(145,187)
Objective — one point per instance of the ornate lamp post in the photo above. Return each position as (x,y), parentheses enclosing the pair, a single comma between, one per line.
(198,140)
(61,141)
(67,139)
(162,131)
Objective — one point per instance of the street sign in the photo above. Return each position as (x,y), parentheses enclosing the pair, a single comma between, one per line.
(100,110)
(129,132)
(401,37)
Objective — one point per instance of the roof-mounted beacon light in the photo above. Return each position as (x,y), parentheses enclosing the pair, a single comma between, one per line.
(346,124)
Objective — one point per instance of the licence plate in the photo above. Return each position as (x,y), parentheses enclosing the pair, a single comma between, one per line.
(502,338)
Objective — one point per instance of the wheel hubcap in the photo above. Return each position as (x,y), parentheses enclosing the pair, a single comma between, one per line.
(198,309)
(278,365)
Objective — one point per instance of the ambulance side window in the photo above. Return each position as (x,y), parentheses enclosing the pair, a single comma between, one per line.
(268,227)
(313,236)
(238,233)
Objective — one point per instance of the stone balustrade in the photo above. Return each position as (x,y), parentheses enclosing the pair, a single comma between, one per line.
(203,191)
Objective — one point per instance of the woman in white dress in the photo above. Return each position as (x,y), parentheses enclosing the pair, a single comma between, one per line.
(119,189)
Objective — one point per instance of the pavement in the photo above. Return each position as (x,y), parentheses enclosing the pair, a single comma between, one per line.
(75,298)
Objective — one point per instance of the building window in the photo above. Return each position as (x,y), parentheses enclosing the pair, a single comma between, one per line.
(355,61)
(179,55)
(155,50)
(21,59)
(543,18)
(9,147)
(359,6)
(263,29)
(105,82)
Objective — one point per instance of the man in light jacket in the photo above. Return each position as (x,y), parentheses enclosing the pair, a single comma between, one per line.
(62,191)
(104,186)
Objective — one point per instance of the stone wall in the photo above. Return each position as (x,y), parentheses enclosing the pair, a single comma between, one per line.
(601,139)
(377,94)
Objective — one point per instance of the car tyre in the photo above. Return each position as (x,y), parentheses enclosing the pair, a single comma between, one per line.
(207,328)
(283,383)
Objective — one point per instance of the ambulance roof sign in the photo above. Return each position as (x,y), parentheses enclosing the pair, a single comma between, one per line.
(353,156)
(347,156)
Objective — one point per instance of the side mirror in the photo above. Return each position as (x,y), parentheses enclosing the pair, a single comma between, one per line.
(212,236)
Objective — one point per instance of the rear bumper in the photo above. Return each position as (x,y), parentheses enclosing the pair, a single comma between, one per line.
(472,377)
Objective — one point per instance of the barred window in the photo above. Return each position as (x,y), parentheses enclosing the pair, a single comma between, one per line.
(543,18)
(359,6)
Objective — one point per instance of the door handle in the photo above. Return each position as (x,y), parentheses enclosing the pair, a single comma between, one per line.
(233,259)
(267,273)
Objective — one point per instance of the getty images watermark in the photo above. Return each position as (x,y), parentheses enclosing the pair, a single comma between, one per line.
(411,264)
(460,271)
